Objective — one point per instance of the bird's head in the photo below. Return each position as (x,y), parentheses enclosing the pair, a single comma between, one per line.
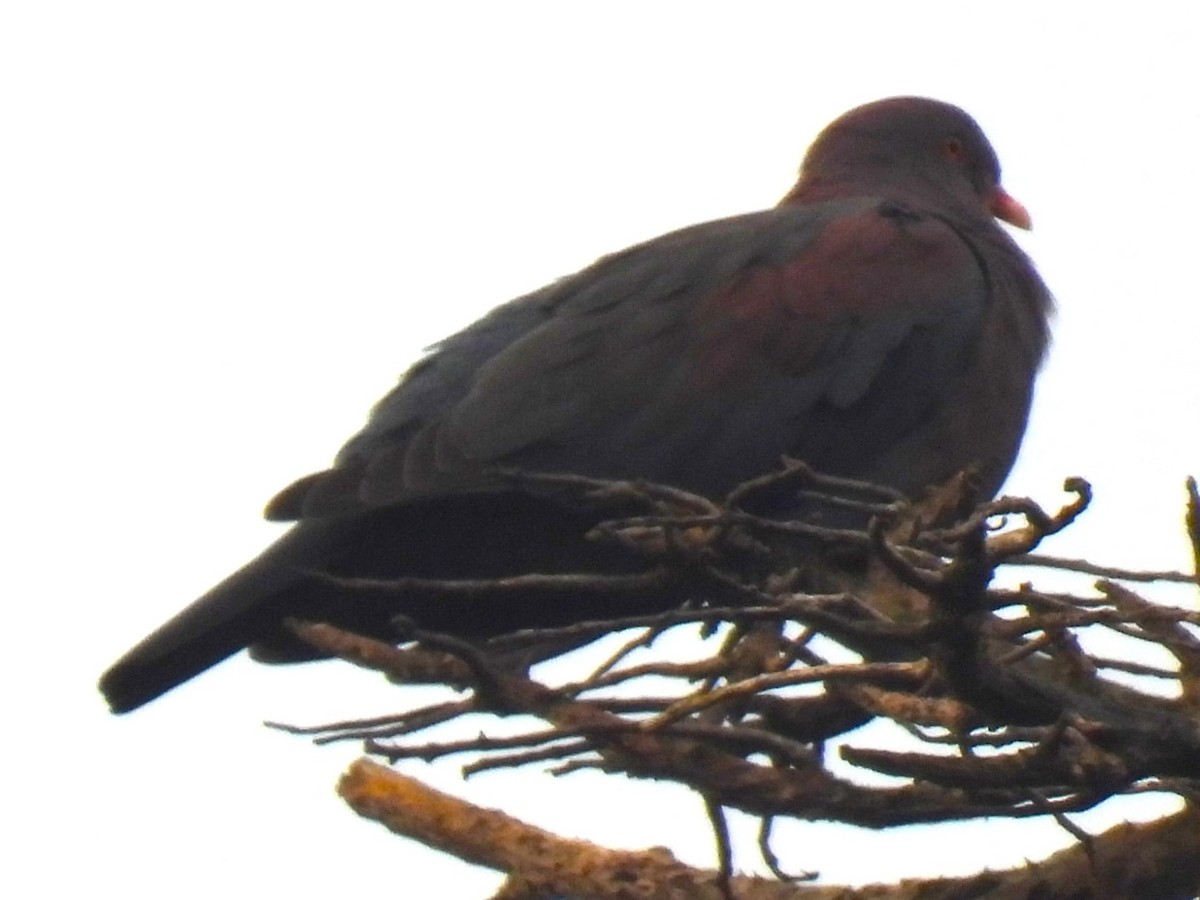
(910,149)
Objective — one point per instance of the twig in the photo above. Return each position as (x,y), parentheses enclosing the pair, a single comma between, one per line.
(1045,561)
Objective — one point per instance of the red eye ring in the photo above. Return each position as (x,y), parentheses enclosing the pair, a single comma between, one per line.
(952,148)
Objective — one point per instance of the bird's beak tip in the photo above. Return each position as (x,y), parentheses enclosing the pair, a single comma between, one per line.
(1007,208)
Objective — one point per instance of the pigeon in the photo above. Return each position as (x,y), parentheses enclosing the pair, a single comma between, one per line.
(878,323)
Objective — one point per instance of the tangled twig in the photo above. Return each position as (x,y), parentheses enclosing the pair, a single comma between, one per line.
(955,663)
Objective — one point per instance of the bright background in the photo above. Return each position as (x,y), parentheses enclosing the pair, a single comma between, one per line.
(225,228)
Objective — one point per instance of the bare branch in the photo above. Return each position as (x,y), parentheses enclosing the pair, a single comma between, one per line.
(802,633)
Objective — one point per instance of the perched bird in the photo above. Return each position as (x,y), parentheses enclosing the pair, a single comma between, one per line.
(878,323)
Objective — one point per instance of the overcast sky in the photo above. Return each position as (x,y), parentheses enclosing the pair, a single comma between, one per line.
(225,228)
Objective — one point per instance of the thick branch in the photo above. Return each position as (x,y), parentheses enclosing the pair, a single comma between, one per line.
(1160,859)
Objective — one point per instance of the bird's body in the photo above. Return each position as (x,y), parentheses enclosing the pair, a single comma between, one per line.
(877,324)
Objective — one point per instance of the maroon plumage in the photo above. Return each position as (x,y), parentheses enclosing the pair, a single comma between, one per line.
(878,323)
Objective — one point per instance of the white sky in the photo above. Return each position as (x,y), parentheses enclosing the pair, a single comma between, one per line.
(226,227)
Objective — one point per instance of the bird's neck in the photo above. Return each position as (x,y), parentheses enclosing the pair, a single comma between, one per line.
(813,188)
(909,190)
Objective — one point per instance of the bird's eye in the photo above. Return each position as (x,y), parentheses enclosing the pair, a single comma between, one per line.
(952,149)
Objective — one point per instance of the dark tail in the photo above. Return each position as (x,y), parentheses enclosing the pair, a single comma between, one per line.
(460,537)
(245,607)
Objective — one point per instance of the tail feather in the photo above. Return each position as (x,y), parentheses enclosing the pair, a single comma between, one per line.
(245,607)
(461,537)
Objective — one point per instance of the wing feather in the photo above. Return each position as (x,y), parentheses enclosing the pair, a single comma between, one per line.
(698,358)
